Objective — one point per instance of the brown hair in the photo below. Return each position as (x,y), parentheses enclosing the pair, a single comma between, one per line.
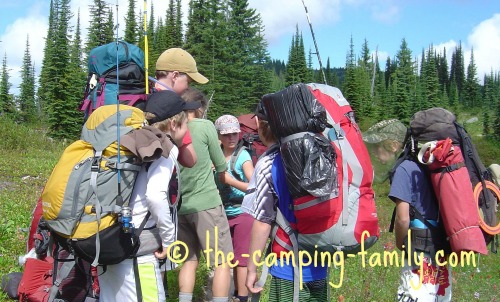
(266,133)
(160,74)
(164,125)
(193,95)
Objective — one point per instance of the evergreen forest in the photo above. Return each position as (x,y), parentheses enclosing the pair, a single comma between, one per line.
(227,40)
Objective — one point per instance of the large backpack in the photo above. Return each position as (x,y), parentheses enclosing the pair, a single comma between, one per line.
(443,147)
(40,263)
(327,167)
(327,170)
(90,187)
(249,138)
(102,88)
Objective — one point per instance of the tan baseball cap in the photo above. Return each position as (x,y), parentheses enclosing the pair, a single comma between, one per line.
(177,59)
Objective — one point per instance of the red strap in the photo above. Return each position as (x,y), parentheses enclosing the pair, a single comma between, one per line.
(95,280)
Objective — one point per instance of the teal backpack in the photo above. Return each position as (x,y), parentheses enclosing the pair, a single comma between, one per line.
(103,87)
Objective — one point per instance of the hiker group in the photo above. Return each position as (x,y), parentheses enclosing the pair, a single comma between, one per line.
(151,181)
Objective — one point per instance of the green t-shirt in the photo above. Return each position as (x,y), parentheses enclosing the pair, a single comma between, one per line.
(198,188)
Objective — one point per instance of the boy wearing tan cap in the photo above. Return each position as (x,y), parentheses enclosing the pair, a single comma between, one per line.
(175,69)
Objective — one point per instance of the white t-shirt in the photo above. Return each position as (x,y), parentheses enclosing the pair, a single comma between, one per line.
(151,194)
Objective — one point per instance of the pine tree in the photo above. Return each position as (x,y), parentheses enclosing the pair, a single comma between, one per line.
(363,79)
(349,88)
(26,98)
(173,25)
(6,100)
(442,66)
(64,118)
(100,30)
(47,71)
(206,37)
(76,72)
(486,123)
(178,39)
(471,87)
(170,22)
(457,70)
(153,52)
(131,27)
(430,82)
(404,81)
(296,68)
(496,125)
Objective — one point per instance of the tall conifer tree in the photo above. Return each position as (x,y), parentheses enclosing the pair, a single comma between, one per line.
(457,70)
(350,87)
(471,88)
(64,118)
(131,27)
(100,30)
(47,70)
(404,80)
(26,98)
(430,82)
(6,100)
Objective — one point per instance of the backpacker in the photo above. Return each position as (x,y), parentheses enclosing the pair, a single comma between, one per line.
(90,187)
(249,140)
(327,167)
(102,87)
(456,172)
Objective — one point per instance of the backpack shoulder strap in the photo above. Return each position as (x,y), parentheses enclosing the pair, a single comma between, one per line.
(414,213)
(234,157)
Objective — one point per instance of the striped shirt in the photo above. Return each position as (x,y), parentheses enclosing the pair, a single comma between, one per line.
(260,200)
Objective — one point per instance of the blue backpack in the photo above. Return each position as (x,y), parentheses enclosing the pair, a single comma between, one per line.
(102,87)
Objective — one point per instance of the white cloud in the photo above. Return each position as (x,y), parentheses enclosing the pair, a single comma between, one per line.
(385,12)
(485,40)
(382,58)
(280,17)
(14,38)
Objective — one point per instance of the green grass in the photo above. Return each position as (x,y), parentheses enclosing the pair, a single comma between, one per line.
(28,157)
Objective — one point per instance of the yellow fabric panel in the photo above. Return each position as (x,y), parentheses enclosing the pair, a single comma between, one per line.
(149,288)
(136,120)
(86,229)
(53,193)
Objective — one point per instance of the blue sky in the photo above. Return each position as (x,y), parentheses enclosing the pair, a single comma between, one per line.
(383,23)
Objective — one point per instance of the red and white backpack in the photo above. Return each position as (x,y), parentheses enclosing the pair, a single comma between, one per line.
(337,220)
(328,172)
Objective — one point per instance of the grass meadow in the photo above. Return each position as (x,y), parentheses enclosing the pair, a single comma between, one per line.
(28,156)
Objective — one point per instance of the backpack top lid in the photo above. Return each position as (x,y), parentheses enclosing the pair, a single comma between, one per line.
(101,128)
(434,124)
(103,58)
(293,110)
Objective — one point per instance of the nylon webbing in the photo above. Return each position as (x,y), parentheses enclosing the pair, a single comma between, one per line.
(97,203)
(345,173)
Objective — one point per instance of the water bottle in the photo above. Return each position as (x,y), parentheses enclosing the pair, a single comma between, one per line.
(126,214)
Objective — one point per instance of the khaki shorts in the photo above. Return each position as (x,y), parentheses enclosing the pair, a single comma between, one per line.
(194,230)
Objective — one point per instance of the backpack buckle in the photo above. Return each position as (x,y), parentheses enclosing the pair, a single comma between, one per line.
(95,166)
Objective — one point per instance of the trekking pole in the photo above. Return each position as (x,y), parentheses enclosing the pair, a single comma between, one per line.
(208,105)
(146,48)
(117,97)
(315,44)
